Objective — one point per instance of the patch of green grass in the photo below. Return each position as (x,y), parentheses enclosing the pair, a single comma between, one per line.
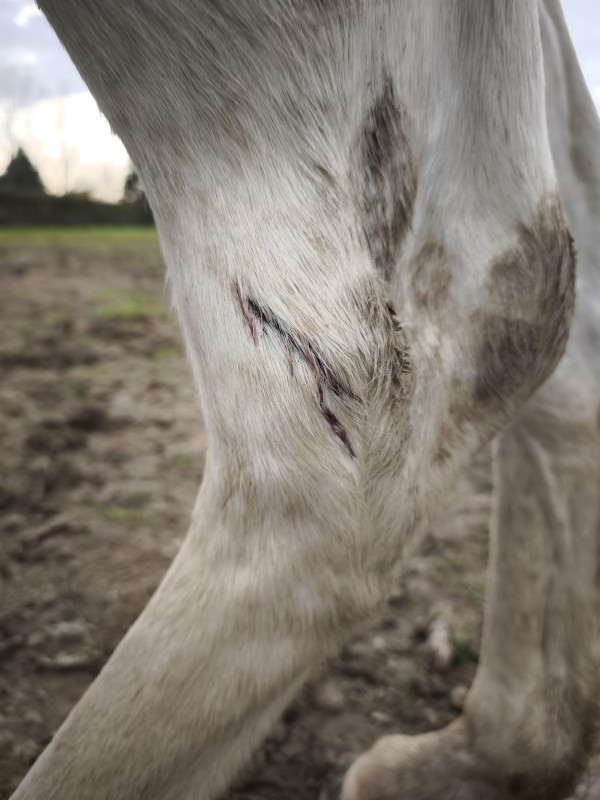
(83,335)
(131,510)
(97,370)
(167,352)
(139,498)
(403,692)
(116,513)
(448,563)
(183,461)
(465,649)
(76,387)
(117,305)
(78,235)
(135,247)
(57,316)
(476,590)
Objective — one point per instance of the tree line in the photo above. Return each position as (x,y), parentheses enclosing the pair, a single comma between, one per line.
(24,200)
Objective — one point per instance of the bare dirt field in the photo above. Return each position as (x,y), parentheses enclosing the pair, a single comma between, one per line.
(102,454)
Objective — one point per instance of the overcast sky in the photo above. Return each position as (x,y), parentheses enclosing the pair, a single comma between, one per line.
(33,63)
(34,67)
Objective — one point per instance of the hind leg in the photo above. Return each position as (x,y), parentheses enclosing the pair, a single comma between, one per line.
(529,720)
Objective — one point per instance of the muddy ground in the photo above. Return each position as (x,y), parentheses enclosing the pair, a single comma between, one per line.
(102,454)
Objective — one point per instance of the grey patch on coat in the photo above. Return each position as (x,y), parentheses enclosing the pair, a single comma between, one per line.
(532,293)
(389,181)
(430,277)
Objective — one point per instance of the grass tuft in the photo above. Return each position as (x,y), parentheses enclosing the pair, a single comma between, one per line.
(131,510)
(465,649)
(117,305)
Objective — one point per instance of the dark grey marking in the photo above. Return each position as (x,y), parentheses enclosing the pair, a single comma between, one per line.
(447,442)
(532,292)
(389,181)
(510,348)
(430,276)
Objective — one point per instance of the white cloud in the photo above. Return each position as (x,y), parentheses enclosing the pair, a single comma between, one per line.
(20,57)
(26,13)
(71,144)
